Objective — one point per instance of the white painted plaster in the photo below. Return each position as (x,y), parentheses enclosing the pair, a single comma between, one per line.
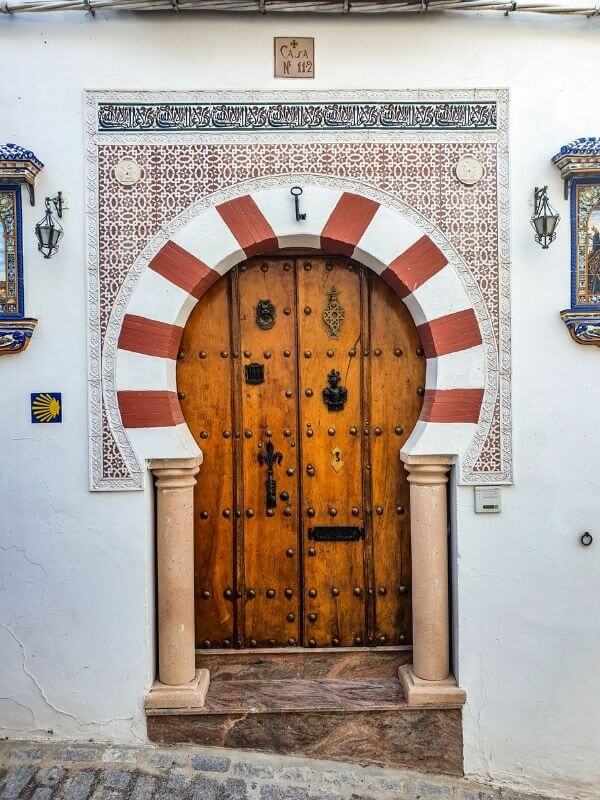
(76,602)
(209,239)
(137,371)
(278,207)
(172,441)
(461,370)
(159,299)
(437,438)
(387,236)
(438,296)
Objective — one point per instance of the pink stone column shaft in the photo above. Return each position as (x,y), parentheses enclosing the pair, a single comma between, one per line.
(175,481)
(429,551)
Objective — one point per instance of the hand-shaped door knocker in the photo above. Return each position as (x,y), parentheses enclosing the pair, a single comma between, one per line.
(270,458)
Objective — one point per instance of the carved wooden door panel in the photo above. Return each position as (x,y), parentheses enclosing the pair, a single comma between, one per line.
(300,378)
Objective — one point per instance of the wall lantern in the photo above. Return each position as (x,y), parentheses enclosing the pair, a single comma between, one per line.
(545,218)
(49,231)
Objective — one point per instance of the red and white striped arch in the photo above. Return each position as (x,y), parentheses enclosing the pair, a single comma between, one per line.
(340,222)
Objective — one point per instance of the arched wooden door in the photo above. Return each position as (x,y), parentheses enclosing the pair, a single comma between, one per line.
(301,378)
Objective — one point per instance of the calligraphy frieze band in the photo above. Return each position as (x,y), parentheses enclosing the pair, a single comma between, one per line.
(214,117)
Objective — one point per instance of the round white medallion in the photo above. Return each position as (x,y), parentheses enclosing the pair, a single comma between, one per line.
(469,170)
(128,171)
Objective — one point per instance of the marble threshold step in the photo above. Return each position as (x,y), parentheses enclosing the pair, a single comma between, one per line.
(319,707)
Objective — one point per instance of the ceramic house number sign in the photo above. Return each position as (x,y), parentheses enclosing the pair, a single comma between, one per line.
(294,57)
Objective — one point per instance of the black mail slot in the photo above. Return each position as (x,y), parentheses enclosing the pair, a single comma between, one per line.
(336,533)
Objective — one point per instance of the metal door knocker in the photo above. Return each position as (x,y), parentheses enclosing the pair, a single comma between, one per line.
(270,458)
(335,395)
(264,314)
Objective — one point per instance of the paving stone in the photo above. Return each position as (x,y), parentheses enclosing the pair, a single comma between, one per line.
(380,783)
(106,794)
(322,796)
(297,774)
(79,786)
(208,789)
(82,754)
(118,756)
(144,786)
(235,789)
(428,789)
(28,753)
(268,792)
(338,778)
(473,793)
(117,779)
(291,793)
(18,778)
(43,793)
(51,777)
(168,797)
(249,770)
(178,782)
(211,763)
(165,760)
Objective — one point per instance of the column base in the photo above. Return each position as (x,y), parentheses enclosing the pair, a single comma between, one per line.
(184,695)
(419,692)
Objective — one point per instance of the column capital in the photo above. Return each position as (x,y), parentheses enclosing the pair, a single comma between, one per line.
(428,470)
(175,473)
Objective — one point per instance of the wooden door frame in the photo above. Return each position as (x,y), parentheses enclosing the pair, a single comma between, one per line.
(416,260)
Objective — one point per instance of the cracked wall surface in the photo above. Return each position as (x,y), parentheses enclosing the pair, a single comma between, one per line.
(76,569)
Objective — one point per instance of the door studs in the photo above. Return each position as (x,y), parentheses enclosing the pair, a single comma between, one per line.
(270,593)
(309,392)
(291,617)
(335,592)
(288,593)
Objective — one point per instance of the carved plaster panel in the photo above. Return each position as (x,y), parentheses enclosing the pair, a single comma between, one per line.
(182,173)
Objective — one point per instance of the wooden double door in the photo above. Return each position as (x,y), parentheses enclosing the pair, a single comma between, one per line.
(301,378)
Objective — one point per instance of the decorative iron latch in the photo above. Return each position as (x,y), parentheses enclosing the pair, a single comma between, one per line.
(270,458)
(335,395)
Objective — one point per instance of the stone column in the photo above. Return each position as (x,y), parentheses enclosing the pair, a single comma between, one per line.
(179,684)
(428,679)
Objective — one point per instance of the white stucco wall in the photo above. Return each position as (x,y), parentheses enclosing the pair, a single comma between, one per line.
(76,570)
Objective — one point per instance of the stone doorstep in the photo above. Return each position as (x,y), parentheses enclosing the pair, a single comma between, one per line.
(421,693)
(186,695)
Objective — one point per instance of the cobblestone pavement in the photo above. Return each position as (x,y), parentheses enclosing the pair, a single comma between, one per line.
(35,771)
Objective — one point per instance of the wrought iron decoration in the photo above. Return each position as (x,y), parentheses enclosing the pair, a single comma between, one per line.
(270,458)
(335,395)
(333,314)
(265,314)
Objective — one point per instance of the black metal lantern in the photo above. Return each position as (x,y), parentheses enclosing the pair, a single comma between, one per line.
(545,218)
(49,231)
